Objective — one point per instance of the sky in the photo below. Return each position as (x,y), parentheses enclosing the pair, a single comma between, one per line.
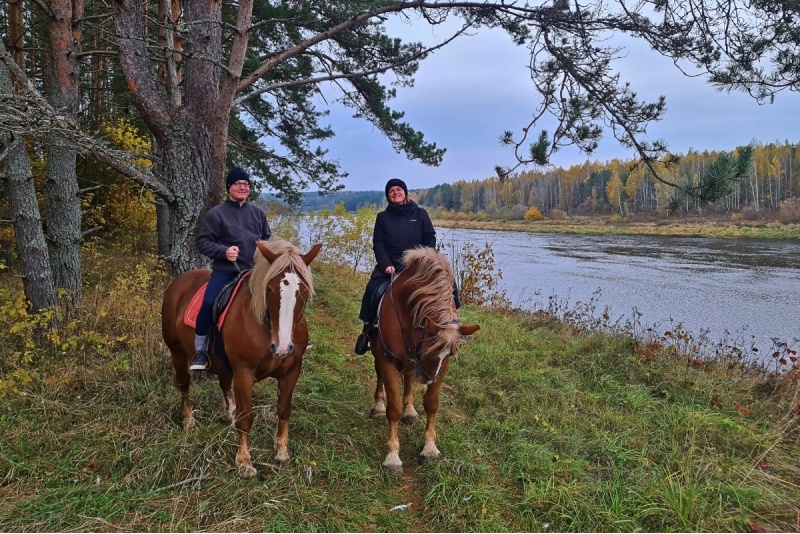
(472,90)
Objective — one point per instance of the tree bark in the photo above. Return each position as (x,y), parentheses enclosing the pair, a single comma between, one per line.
(191,132)
(37,277)
(62,202)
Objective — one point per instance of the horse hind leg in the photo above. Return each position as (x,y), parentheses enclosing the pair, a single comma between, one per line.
(410,415)
(182,379)
(379,405)
(229,400)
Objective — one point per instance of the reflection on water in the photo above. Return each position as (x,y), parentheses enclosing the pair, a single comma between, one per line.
(745,287)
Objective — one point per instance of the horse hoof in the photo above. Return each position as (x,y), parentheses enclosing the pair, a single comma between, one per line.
(247,471)
(410,419)
(394,469)
(374,413)
(282,463)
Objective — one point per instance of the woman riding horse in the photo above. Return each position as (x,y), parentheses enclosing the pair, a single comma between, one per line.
(400,227)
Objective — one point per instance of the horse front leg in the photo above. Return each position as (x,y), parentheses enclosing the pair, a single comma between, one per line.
(284,409)
(243,393)
(393,413)
(431,403)
(410,415)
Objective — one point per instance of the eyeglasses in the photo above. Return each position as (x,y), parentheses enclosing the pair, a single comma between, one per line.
(241,184)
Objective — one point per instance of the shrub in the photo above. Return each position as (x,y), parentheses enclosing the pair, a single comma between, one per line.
(558,215)
(533,214)
(789,210)
(475,273)
(749,213)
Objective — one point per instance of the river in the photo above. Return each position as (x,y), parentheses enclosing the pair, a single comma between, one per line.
(728,290)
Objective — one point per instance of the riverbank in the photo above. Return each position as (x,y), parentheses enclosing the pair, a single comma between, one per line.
(679,227)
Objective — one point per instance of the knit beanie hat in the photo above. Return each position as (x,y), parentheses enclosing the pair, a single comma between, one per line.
(235,175)
(395,182)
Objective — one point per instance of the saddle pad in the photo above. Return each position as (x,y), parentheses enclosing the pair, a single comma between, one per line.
(190,317)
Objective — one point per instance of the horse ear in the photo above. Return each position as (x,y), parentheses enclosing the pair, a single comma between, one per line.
(266,252)
(311,254)
(468,329)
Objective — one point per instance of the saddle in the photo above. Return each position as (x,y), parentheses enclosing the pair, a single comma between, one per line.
(375,301)
(221,303)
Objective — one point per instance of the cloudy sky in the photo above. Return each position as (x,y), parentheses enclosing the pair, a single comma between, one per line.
(472,90)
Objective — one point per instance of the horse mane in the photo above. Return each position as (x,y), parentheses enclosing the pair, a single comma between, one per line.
(264,271)
(432,297)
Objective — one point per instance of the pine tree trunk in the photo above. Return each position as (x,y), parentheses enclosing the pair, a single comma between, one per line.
(185,169)
(189,122)
(37,278)
(62,203)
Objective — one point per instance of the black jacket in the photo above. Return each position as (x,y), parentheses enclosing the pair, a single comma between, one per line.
(397,229)
(229,224)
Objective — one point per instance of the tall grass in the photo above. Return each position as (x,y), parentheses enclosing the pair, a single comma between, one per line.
(543,426)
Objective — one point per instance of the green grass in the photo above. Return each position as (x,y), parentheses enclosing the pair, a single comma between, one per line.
(541,427)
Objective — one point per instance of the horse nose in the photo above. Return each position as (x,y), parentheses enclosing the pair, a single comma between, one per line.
(281,355)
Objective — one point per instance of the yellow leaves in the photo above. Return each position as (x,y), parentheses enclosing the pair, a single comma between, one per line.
(533,214)
(125,135)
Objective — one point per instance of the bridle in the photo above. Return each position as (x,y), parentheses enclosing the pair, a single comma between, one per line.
(268,322)
(415,352)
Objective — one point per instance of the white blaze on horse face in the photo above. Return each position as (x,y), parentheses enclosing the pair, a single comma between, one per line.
(290,288)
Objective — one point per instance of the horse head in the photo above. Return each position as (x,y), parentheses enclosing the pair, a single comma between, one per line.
(281,285)
(426,318)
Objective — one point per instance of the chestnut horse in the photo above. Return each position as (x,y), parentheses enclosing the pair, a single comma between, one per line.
(418,330)
(264,335)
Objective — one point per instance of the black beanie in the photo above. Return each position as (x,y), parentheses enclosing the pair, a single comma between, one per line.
(235,175)
(395,182)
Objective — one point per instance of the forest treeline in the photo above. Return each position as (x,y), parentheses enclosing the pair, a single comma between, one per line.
(620,187)
(606,188)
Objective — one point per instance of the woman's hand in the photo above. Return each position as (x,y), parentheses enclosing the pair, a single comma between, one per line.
(389,269)
(232,253)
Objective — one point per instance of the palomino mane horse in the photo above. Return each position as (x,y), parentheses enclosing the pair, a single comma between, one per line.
(417,332)
(264,334)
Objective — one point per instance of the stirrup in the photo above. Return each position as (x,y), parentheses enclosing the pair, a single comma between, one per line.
(200,361)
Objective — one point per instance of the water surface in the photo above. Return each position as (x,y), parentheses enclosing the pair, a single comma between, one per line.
(746,289)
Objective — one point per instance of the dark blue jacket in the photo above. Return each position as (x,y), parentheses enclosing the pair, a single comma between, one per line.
(229,224)
(397,229)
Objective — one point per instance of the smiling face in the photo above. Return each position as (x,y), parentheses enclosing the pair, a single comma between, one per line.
(239,191)
(396,195)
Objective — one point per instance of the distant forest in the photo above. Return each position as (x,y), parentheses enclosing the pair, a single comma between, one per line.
(594,188)
(353,200)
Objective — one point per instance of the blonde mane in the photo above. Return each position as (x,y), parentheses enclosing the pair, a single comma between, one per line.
(264,271)
(433,297)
